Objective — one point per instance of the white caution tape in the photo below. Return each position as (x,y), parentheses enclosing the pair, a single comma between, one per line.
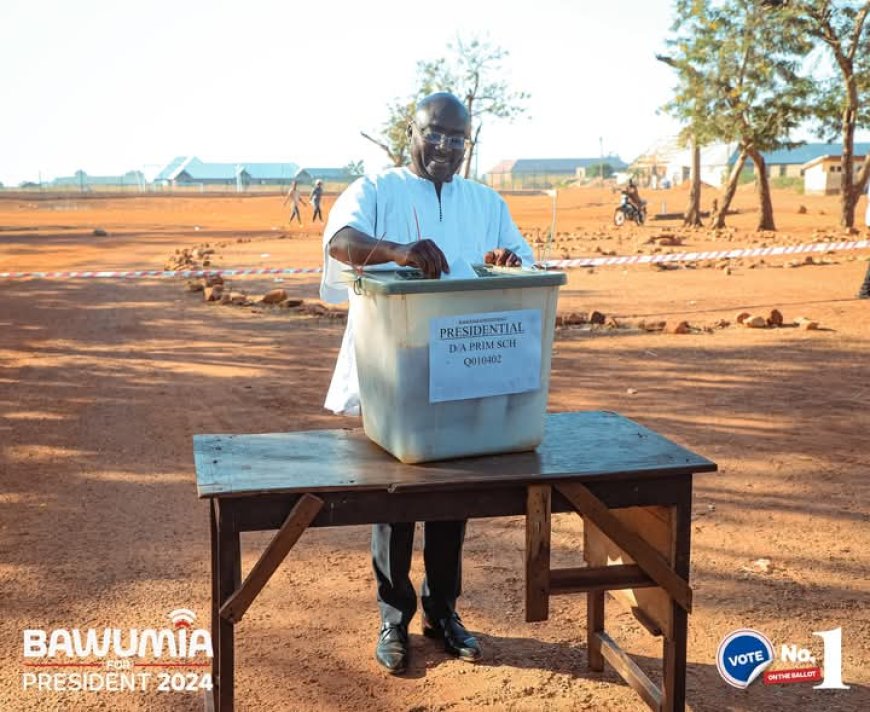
(710,255)
(549,264)
(137,274)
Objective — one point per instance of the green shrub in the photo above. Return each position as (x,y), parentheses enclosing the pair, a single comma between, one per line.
(792,182)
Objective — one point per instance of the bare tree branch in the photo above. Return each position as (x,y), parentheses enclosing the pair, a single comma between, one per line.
(381,145)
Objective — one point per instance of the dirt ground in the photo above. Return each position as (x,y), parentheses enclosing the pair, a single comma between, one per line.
(103,383)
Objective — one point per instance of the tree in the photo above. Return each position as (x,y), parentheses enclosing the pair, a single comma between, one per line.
(470,73)
(595,170)
(473,75)
(393,137)
(355,168)
(687,106)
(843,101)
(738,82)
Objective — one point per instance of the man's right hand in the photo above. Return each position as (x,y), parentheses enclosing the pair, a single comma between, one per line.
(425,255)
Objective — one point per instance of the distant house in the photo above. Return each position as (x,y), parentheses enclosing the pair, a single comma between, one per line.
(189,170)
(170,171)
(825,174)
(791,162)
(545,172)
(270,173)
(331,177)
(84,182)
(669,162)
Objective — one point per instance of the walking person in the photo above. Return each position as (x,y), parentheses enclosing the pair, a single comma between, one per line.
(294,198)
(423,216)
(316,195)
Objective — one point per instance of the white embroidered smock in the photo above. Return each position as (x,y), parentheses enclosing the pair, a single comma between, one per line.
(468,221)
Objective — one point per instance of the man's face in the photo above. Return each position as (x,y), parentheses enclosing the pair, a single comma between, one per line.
(438,141)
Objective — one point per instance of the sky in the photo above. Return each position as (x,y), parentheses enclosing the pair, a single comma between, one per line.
(108,86)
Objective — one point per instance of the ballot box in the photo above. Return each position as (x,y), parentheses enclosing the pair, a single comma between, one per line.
(454,367)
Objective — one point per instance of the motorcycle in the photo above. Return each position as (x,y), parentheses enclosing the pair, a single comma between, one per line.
(628,211)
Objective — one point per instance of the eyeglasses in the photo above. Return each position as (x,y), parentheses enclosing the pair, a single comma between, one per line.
(454,143)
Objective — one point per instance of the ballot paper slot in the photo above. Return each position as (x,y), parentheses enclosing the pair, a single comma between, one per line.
(480,271)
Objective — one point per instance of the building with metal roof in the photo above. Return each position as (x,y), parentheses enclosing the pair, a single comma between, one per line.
(327,175)
(190,170)
(271,173)
(824,174)
(668,162)
(84,182)
(790,162)
(168,172)
(539,173)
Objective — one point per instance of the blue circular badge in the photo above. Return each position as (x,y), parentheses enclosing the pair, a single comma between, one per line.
(742,656)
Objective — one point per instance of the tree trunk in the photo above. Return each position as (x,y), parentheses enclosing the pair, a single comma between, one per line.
(762,185)
(693,211)
(861,182)
(847,196)
(469,154)
(731,188)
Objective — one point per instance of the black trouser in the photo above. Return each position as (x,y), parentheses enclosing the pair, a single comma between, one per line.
(317,214)
(295,214)
(864,292)
(392,546)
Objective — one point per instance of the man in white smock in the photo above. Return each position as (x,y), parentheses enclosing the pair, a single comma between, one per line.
(427,217)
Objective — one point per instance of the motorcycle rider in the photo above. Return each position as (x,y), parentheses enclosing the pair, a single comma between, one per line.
(632,196)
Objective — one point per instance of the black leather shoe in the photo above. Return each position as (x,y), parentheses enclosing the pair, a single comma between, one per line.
(392,649)
(457,640)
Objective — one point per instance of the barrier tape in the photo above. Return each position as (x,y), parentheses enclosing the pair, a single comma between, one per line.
(136,274)
(709,255)
(549,264)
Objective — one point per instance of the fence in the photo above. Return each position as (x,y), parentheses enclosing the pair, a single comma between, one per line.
(178,189)
(511,180)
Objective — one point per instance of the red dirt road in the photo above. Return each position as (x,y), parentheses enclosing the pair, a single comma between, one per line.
(103,384)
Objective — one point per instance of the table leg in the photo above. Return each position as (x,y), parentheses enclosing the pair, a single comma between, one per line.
(229,577)
(538,509)
(594,626)
(675,638)
(215,604)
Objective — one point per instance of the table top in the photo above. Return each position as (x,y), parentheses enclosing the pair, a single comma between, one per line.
(578,446)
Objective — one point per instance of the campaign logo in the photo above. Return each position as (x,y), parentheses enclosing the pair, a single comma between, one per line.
(745,654)
(742,656)
(119,660)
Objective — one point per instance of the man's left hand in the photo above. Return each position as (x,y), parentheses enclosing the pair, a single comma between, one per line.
(502,257)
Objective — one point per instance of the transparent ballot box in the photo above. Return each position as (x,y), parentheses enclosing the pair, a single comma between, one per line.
(454,367)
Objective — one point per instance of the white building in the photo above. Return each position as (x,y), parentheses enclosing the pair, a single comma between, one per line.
(824,175)
(667,160)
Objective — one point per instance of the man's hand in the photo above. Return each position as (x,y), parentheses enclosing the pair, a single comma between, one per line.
(425,255)
(502,257)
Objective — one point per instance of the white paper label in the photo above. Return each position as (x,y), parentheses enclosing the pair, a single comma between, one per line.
(480,355)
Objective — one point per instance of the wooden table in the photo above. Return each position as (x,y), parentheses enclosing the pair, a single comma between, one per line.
(632,486)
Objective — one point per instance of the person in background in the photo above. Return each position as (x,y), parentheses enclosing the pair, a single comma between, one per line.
(294,198)
(427,217)
(316,195)
(632,195)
